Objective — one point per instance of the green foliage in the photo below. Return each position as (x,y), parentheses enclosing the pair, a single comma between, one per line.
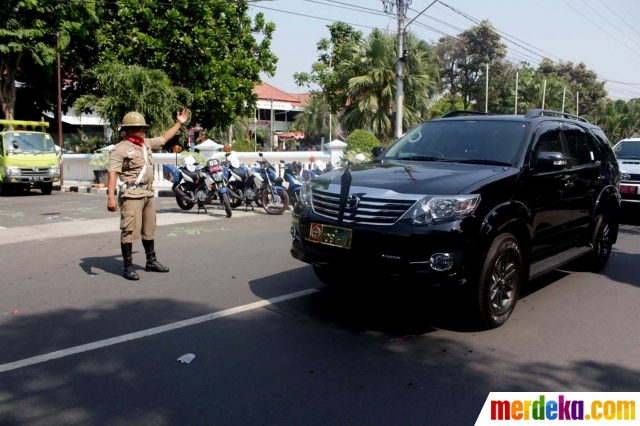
(444,105)
(28,46)
(243,145)
(332,53)
(210,48)
(100,160)
(463,61)
(314,120)
(578,78)
(361,141)
(620,119)
(369,97)
(120,89)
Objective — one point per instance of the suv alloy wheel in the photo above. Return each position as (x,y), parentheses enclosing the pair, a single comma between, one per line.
(500,281)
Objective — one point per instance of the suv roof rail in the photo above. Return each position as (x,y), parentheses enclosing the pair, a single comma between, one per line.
(458,113)
(537,112)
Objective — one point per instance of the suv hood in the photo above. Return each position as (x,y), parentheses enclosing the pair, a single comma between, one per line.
(412,177)
(629,165)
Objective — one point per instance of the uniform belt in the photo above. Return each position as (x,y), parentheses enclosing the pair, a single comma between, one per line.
(139,186)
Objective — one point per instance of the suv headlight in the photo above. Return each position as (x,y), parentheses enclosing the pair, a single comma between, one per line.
(12,171)
(434,208)
(305,194)
(54,171)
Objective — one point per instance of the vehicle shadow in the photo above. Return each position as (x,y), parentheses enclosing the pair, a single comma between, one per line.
(390,306)
(272,366)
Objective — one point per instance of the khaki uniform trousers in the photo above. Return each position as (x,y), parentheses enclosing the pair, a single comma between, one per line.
(137,218)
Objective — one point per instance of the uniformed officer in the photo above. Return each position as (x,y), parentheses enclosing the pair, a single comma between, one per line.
(132,161)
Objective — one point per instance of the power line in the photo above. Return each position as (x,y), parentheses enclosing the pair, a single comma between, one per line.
(600,28)
(348,8)
(634,17)
(608,22)
(620,17)
(317,17)
(537,48)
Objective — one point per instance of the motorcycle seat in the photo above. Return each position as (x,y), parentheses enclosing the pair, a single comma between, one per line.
(192,175)
(240,171)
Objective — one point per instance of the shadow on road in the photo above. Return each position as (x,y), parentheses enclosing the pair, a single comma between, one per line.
(389,306)
(271,367)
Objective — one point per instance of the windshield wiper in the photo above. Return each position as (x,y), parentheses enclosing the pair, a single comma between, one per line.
(484,161)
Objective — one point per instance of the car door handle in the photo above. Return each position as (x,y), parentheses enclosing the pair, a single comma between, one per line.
(601,177)
(568,184)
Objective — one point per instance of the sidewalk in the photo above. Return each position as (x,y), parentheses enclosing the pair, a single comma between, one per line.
(162,189)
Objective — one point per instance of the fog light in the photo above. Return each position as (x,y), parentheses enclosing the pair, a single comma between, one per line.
(441,262)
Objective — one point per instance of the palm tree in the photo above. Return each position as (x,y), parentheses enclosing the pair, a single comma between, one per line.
(121,88)
(314,121)
(370,80)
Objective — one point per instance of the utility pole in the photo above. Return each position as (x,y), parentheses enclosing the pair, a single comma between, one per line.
(400,7)
(516,110)
(577,103)
(564,94)
(486,92)
(59,107)
(544,93)
(271,127)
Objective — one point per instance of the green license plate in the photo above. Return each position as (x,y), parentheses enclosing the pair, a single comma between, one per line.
(330,235)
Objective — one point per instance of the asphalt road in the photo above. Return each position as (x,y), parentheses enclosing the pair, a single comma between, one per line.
(387,356)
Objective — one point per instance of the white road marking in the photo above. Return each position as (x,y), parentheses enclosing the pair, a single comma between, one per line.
(20,234)
(2,227)
(150,332)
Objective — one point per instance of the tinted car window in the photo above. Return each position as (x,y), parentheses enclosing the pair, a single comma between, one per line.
(548,139)
(462,140)
(629,150)
(580,152)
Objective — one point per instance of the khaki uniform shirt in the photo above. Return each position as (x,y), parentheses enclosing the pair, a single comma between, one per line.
(127,159)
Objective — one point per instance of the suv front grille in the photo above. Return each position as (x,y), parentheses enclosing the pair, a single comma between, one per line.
(632,177)
(39,171)
(371,211)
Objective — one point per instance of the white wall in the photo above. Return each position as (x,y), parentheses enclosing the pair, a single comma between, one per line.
(77,169)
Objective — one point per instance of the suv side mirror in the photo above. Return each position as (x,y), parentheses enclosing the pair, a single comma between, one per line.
(550,162)
(378,150)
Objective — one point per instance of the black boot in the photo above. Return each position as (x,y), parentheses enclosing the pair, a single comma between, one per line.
(127,254)
(152,262)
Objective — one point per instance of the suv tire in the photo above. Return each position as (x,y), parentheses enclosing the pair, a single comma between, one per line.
(499,281)
(601,242)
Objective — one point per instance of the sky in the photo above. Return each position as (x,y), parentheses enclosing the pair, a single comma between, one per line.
(604,34)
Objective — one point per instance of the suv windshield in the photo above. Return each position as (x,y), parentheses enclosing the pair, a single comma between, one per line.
(627,150)
(490,141)
(19,142)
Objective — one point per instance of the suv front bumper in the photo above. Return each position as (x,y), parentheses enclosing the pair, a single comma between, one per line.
(397,250)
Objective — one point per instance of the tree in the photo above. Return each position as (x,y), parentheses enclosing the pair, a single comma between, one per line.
(121,88)
(578,78)
(531,91)
(331,53)
(463,60)
(314,119)
(361,141)
(368,102)
(28,46)
(208,47)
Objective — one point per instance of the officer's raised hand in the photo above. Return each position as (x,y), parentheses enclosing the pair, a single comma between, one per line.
(184,116)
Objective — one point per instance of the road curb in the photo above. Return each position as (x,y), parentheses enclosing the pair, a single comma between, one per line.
(81,189)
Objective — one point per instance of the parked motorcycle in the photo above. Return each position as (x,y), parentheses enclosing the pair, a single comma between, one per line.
(199,186)
(275,199)
(243,184)
(292,177)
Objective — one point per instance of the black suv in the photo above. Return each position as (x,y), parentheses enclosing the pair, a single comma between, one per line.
(478,200)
